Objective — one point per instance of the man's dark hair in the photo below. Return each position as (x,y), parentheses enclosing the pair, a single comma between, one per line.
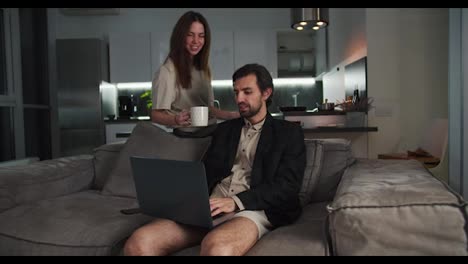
(264,79)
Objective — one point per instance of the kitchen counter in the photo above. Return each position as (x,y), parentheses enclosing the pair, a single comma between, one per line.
(340,129)
(311,113)
(126,120)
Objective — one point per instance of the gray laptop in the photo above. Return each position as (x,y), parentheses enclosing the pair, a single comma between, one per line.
(175,190)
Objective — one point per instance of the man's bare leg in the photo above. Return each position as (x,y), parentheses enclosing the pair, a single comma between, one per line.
(162,237)
(233,238)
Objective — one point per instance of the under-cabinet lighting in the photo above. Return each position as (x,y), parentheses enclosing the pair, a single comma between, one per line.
(106,85)
(134,85)
(216,83)
(293,81)
(221,83)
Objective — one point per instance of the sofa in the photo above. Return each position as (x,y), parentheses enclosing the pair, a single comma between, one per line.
(71,205)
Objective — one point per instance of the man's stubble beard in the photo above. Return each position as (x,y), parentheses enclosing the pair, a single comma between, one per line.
(251,112)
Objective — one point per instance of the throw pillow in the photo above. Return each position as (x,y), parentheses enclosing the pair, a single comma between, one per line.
(314,152)
(337,157)
(148,140)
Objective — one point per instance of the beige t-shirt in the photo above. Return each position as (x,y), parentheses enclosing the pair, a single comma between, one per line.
(169,95)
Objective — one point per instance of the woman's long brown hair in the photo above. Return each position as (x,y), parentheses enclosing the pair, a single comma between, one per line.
(179,54)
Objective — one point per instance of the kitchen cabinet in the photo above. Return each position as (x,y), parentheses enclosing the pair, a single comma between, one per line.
(231,50)
(160,44)
(296,53)
(116,132)
(130,57)
(222,55)
(135,57)
(120,130)
(296,63)
(302,53)
(256,46)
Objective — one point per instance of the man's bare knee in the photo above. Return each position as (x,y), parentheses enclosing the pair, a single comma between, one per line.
(214,247)
(138,245)
(142,243)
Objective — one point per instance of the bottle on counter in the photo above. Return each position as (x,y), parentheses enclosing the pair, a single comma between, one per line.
(134,104)
(356,98)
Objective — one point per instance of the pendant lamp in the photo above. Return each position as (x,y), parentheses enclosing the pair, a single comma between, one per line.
(309,18)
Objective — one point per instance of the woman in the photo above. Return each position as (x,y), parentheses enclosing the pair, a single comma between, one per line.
(184,80)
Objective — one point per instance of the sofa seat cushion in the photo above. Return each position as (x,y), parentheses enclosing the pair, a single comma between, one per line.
(148,140)
(306,237)
(396,207)
(84,223)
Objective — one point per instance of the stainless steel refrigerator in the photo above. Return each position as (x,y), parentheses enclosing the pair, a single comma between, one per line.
(81,66)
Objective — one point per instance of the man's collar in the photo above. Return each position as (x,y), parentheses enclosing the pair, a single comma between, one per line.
(256,127)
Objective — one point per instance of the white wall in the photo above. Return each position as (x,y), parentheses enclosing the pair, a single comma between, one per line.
(347,43)
(465,99)
(407,74)
(347,39)
(407,62)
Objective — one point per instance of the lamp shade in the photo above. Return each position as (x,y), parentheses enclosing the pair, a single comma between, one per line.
(309,18)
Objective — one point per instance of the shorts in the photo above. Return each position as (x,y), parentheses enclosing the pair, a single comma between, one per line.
(259,218)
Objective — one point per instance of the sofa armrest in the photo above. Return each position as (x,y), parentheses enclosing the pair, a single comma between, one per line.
(44,179)
(396,207)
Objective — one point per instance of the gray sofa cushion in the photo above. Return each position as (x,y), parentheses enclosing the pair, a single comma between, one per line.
(149,140)
(84,223)
(312,171)
(396,207)
(105,159)
(337,156)
(306,237)
(45,179)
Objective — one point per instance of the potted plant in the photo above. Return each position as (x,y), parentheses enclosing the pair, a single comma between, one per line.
(148,97)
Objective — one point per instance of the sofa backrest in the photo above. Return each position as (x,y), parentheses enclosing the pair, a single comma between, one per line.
(327,159)
(105,160)
(337,157)
(148,140)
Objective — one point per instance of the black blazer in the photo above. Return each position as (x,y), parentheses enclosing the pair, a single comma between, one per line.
(277,170)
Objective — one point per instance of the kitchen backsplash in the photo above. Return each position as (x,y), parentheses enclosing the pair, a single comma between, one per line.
(287,92)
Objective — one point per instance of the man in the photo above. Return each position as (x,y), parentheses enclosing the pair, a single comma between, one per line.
(254,167)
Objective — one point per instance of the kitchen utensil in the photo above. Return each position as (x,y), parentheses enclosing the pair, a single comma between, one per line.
(292,108)
(326,106)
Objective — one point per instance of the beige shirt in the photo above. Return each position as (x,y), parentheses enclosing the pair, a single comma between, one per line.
(239,180)
(168,95)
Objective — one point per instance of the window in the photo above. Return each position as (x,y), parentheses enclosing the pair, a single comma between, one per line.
(11,123)
(7,151)
(3,66)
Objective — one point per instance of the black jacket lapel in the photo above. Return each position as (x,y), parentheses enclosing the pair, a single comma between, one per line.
(234,140)
(263,146)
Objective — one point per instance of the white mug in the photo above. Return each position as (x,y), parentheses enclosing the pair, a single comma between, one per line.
(199,116)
